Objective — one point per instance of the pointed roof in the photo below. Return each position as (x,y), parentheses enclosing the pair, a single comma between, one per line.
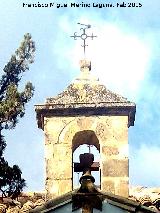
(86,89)
(85,94)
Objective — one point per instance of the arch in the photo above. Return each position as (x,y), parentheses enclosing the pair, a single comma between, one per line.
(85,137)
(80,126)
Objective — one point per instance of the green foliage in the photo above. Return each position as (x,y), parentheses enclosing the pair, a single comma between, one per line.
(12,102)
(12,107)
(11,181)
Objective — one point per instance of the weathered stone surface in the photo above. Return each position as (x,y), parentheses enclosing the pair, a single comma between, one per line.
(58,187)
(60,166)
(122,188)
(108,186)
(48,139)
(85,122)
(60,170)
(123,151)
(61,150)
(110,133)
(49,153)
(115,168)
(120,124)
(93,93)
(101,131)
(66,134)
(49,128)
(109,150)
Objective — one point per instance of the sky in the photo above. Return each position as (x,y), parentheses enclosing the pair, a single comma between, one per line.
(125,56)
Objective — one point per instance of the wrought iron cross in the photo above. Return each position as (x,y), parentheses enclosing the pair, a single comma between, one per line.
(83,36)
(86,163)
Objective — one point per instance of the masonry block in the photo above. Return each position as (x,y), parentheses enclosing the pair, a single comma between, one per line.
(115,168)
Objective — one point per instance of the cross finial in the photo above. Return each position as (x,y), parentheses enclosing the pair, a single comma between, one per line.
(83,36)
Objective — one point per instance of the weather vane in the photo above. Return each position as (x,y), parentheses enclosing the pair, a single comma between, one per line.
(83,36)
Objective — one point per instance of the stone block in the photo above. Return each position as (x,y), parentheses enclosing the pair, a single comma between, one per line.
(108,186)
(49,152)
(67,133)
(120,128)
(56,188)
(62,152)
(85,122)
(65,186)
(115,168)
(60,170)
(122,188)
(101,131)
(59,165)
(110,150)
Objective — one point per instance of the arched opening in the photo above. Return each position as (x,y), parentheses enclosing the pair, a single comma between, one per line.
(85,142)
(85,137)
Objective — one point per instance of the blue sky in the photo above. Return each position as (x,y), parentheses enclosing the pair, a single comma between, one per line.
(125,56)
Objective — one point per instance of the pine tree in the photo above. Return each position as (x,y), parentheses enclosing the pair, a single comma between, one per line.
(12,107)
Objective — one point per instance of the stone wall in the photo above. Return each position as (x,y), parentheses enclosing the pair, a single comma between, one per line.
(114,156)
(64,134)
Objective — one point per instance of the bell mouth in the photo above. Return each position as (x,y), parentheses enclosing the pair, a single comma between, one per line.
(87,177)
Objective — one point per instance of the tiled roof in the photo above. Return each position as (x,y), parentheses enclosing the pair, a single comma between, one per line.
(123,203)
(149,197)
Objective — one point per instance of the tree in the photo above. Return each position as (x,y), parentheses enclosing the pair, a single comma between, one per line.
(12,107)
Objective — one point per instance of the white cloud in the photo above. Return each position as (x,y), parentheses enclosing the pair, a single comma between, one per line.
(144,165)
(120,59)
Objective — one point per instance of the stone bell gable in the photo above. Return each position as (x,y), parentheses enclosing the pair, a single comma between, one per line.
(86,113)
